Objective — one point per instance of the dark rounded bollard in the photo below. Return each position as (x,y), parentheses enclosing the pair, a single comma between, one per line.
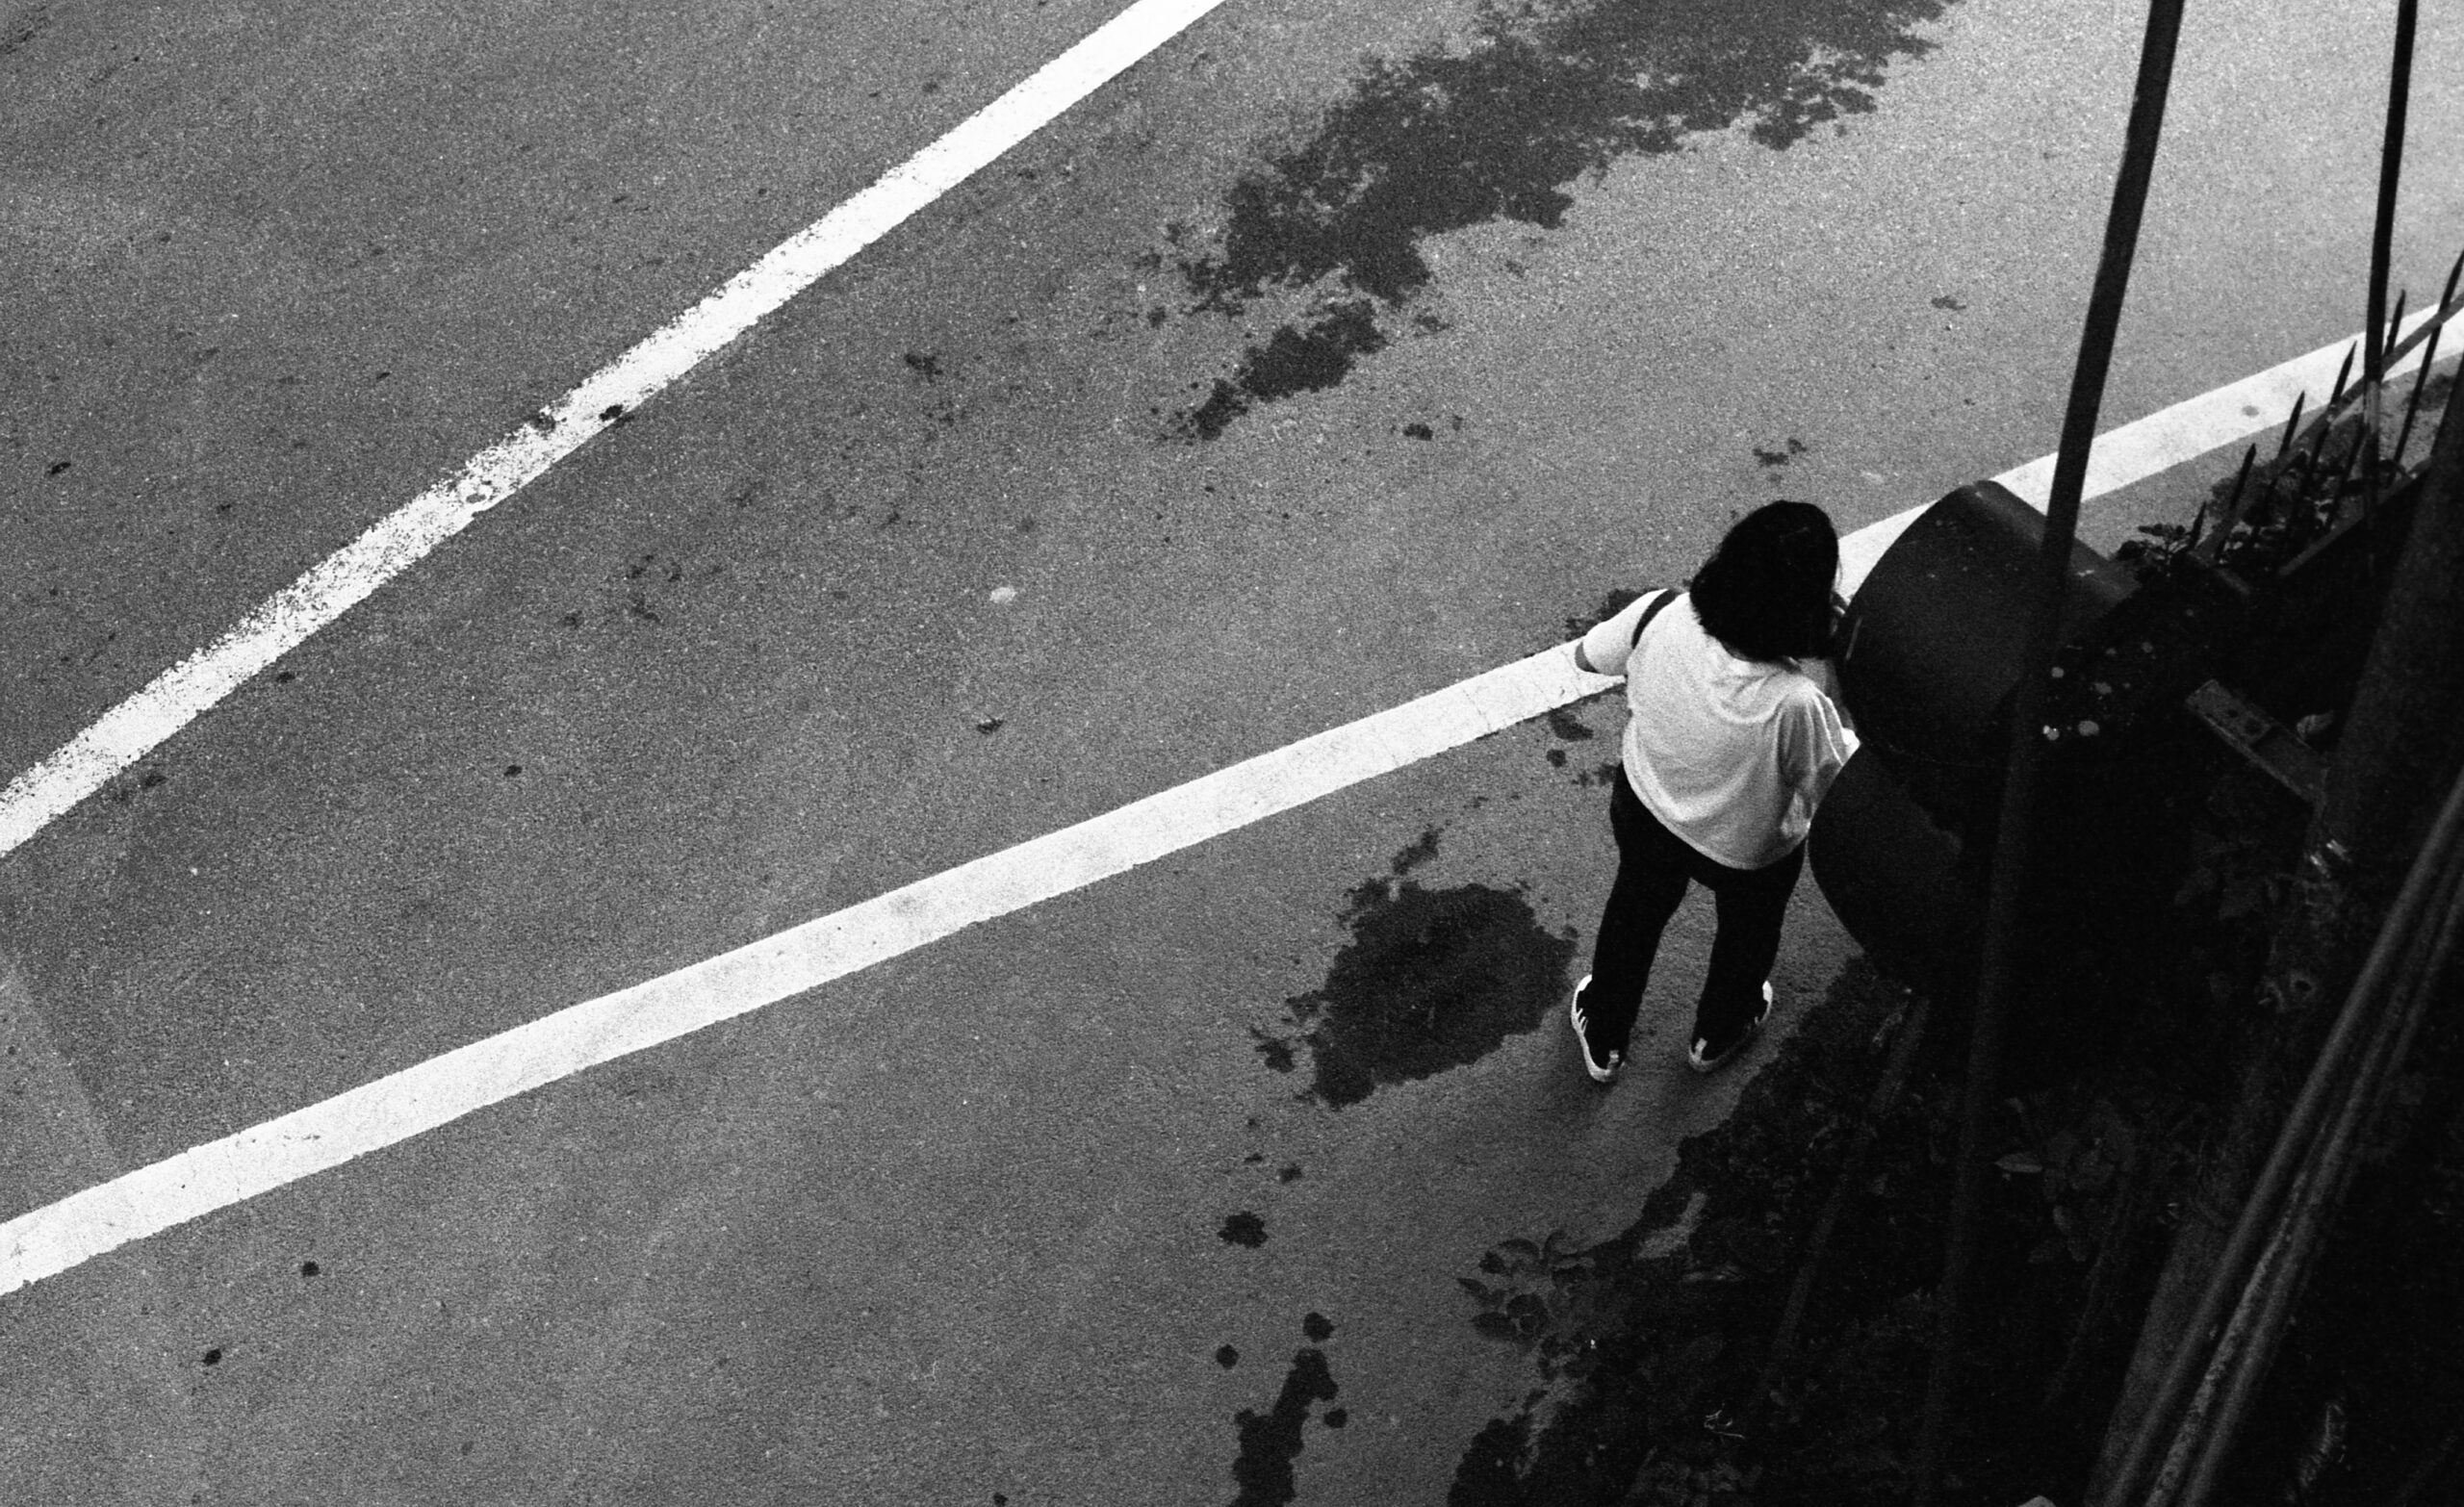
(1931,654)
(1931,646)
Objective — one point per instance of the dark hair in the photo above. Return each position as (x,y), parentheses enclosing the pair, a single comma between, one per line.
(1766,591)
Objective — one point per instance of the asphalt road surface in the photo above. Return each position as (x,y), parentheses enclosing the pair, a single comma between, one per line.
(1328,356)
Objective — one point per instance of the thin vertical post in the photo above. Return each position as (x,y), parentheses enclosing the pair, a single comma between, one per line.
(2027,739)
(2382,235)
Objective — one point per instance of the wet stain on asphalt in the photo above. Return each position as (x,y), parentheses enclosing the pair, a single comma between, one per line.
(1270,1441)
(1567,726)
(1243,1229)
(122,792)
(1600,774)
(1277,1051)
(1544,95)
(1294,360)
(1423,849)
(1779,457)
(1433,980)
(1227,1356)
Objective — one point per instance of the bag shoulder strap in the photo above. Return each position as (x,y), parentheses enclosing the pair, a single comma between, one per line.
(1666,596)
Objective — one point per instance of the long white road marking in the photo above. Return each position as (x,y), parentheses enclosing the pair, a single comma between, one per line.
(50,1240)
(2146,447)
(179,694)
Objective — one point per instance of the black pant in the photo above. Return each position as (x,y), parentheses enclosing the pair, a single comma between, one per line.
(1653,867)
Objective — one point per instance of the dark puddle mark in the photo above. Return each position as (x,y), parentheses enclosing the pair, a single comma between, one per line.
(1270,1441)
(1317,1327)
(214,1357)
(1567,726)
(924,363)
(1432,979)
(56,467)
(1772,458)
(1227,1356)
(1243,1229)
(1277,1051)
(1418,431)
(308,1269)
(1949,304)
(1289,1172)
(1423,849)
(1543,96)
(1294,360)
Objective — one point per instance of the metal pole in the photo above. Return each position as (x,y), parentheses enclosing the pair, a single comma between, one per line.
(2391,162)
(2027,737)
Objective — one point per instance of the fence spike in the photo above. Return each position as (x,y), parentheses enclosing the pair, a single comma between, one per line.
(2420,379)
(2291,424)
(2365,435)
(2226,516)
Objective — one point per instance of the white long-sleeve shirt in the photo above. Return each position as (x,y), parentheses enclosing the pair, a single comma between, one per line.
(1732,755)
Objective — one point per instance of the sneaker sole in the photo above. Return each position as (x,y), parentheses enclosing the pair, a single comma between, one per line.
(1753,1029)
(1582,1043)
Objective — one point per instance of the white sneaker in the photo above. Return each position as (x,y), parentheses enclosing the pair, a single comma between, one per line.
(1701,1058)
(1602,1066)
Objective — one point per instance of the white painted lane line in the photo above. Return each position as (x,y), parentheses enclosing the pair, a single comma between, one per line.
(2158,442)
(196,1182)
(57,1236)
(399,1106)
(179,694)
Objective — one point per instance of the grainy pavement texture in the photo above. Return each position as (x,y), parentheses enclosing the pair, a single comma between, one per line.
(1329,355)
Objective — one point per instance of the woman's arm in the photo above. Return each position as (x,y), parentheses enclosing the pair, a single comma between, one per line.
(1603,650)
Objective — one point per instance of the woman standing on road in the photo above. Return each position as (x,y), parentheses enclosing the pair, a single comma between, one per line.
(1729,747)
